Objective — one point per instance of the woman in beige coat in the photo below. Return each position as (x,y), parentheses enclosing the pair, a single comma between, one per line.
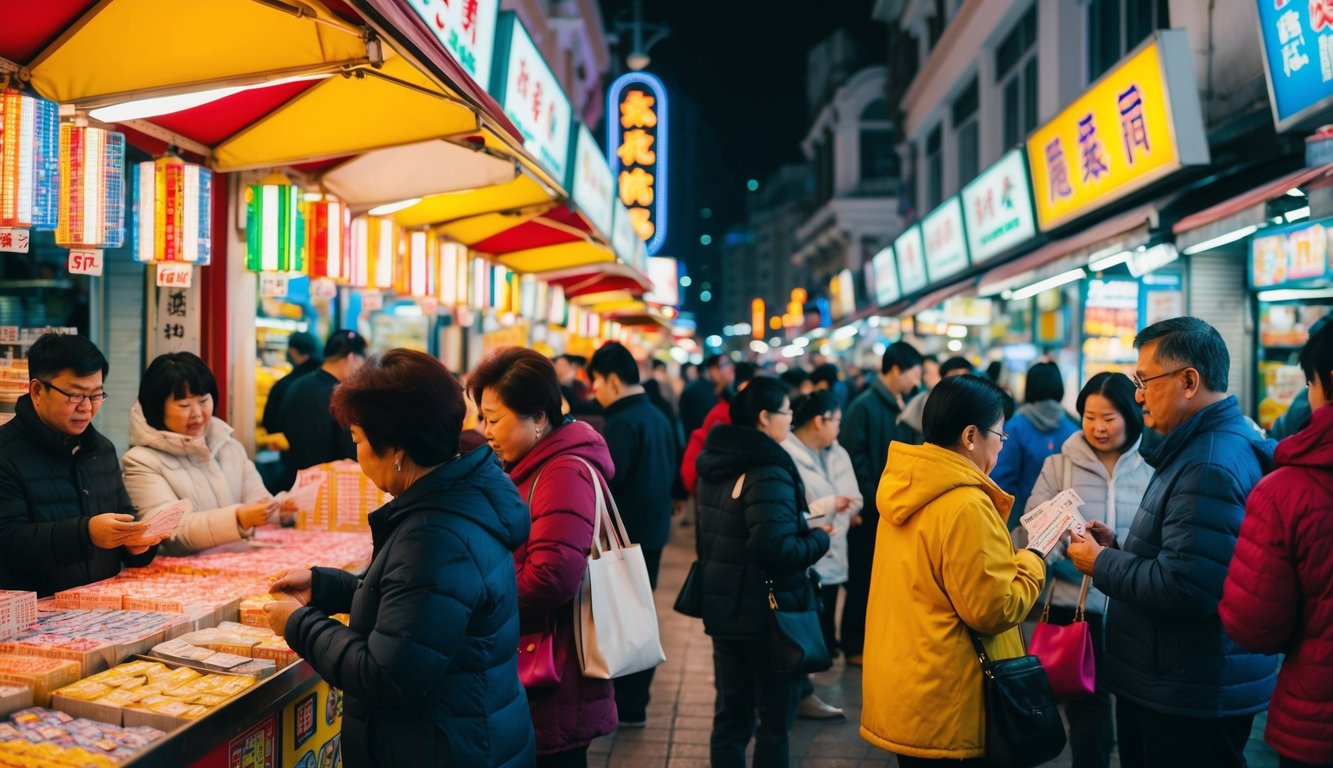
(180,451)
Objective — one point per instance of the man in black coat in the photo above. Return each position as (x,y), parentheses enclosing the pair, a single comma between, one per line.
(303,354)
(65,518)
(314,437)
(643,449)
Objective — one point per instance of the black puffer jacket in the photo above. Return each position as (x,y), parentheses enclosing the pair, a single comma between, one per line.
(50,485)
(429,660)
(751,529)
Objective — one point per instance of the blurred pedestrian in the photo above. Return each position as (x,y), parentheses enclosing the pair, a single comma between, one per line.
(1186,694)
(428,662)
(828,377)
(1299,412)
(797,381)
(312,433)
(1038,430)
(752,532)
(544,454)
(872,425)
(945,570)
(1278,596)
(910,418)
(703,393)
(304,354)
(741,375)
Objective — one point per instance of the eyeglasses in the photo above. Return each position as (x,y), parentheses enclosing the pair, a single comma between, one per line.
(75,398)
(1003,437)
(1141,382)
(780,413)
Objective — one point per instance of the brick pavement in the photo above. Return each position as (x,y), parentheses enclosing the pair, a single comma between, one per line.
(681,713)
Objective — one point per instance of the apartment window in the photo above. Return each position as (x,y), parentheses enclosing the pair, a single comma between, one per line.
(1116,27)
(934,169)
(966,131)
(935,23)
(879,156)
(824,169)
(1016,75)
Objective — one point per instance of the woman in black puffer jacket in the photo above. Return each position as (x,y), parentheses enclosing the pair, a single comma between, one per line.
(751,529)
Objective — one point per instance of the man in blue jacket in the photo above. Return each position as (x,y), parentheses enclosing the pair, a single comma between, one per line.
(1186,694)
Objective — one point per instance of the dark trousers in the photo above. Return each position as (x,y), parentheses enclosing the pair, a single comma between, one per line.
(1149,739)
(860,555)
(828,609)
(574,758)
(905,761)
(1091,730)
(746,683)
(632,690)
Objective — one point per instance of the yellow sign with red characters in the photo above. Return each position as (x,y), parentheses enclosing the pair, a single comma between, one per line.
(1138,123)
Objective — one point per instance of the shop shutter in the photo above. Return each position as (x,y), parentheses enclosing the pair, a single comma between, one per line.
(1217,295)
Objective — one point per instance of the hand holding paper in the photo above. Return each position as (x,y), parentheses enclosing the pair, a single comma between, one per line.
(163,521)
(1048,522)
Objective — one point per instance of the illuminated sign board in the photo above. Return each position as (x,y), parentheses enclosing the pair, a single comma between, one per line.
(886,278)
(946,247)
(591,183)
(466,29)
(1297,41)
(909,249)
(997,208)
(1297,255)
(1140,122)
(532,99)
(665,277)
(636,146)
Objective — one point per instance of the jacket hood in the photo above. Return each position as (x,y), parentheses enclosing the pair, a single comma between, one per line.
(1045,415)
(166,441)
(800,453)
(731,450)
(914,412)
(49,439)
(919,474)
(1311,447)
(505,516)
(1077,448)
(1222,416)
(573,437)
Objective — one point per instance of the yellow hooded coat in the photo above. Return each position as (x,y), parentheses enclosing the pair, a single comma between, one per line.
(943,562)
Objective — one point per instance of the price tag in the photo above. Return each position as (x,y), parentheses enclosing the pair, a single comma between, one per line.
(273,285)
(172,275)
(372,302)
(9,334)
(13,240)
(85,263)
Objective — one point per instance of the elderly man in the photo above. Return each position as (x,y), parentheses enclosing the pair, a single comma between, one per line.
(1186,694)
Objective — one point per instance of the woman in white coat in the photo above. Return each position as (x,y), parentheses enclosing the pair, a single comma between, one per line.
(835,500)
(1102,463)
(180,451)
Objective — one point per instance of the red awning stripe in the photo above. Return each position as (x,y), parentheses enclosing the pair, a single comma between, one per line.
(31,26)
(1262,194)
(217,121)
(522,237)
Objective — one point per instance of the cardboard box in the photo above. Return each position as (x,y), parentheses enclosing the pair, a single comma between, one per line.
(17,611)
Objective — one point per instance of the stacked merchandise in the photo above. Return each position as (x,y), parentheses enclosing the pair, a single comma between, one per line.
(345,497)
(206,599)
(13,385)
(94,639)
(14,698)
(37,738)
(149,693)
(38,674)
(17,610)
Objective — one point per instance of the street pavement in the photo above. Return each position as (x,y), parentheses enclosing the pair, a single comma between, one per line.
(681,713)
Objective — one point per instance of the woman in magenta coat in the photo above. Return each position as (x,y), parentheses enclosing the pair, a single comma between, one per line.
(519,396)
(1278,596)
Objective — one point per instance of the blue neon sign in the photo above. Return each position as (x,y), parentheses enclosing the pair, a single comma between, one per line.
(636,111)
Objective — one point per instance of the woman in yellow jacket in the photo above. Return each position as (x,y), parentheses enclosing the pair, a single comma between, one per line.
(944,565)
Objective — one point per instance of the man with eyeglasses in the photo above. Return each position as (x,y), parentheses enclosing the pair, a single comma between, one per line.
(1185,693)
(65,518)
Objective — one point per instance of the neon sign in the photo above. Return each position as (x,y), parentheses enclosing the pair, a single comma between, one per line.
(637,151)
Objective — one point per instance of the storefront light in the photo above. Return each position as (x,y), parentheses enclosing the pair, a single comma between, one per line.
(956,332)
(1042,286)
(955,345)
(374,246)
(418,270)
(1106,262)
(92,188)
(1297,215)
(173,212)
(29,161)
(275,235)
(1221,240)
(1295,294)
(329,239)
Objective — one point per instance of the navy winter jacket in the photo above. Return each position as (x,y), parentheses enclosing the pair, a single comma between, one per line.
(643,449)
(428,661)
(1165,646)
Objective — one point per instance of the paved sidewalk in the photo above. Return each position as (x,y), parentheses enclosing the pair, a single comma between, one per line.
(681,713)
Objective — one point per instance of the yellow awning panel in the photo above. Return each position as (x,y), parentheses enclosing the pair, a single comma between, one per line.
(137,45)
(474,230)
(555,257)
(522,192)
(348,115)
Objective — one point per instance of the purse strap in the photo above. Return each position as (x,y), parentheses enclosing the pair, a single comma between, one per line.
(607,514)
(1078,609)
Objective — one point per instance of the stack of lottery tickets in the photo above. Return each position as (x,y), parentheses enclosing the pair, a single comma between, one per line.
(40,674)
(40,737)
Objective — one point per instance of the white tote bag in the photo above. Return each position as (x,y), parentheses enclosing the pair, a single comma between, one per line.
(615,619)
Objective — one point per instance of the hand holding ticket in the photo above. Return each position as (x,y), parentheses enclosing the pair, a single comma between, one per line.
(1048,522)
(163,521)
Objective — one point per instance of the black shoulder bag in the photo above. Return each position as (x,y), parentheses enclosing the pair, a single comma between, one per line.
(1023,726)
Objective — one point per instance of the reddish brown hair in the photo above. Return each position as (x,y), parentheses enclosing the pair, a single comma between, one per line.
(524,380)
(404,399)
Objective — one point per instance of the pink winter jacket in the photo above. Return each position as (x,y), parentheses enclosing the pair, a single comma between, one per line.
(1278,596)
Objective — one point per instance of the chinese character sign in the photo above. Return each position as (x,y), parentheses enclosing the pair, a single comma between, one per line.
(946,248)
(466,28)
(997,208)
(1298,50)
(1139,123)
(592,185)
(532,98)
(910,251)
(637,151)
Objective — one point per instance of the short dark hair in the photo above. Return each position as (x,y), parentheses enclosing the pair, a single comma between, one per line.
(931,358)
(612,357)
(955,364)
(794,377)
(1191,342)
(1316,357)
(764,393)
(743,372)
(524,380)
(805,408)
(995,370)
(900,354)
(174,375)
(55,353)
(343,343)
(959,402)
(659,365)
(1117,388)
(713,361)
(827,373)
(405,399)
(304,343)
(1044,382)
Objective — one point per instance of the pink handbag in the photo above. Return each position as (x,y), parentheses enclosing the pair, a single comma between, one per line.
(1066,652)
(536,660)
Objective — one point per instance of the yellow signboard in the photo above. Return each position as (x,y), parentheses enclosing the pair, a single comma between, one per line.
(1138,123)
(312,729)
